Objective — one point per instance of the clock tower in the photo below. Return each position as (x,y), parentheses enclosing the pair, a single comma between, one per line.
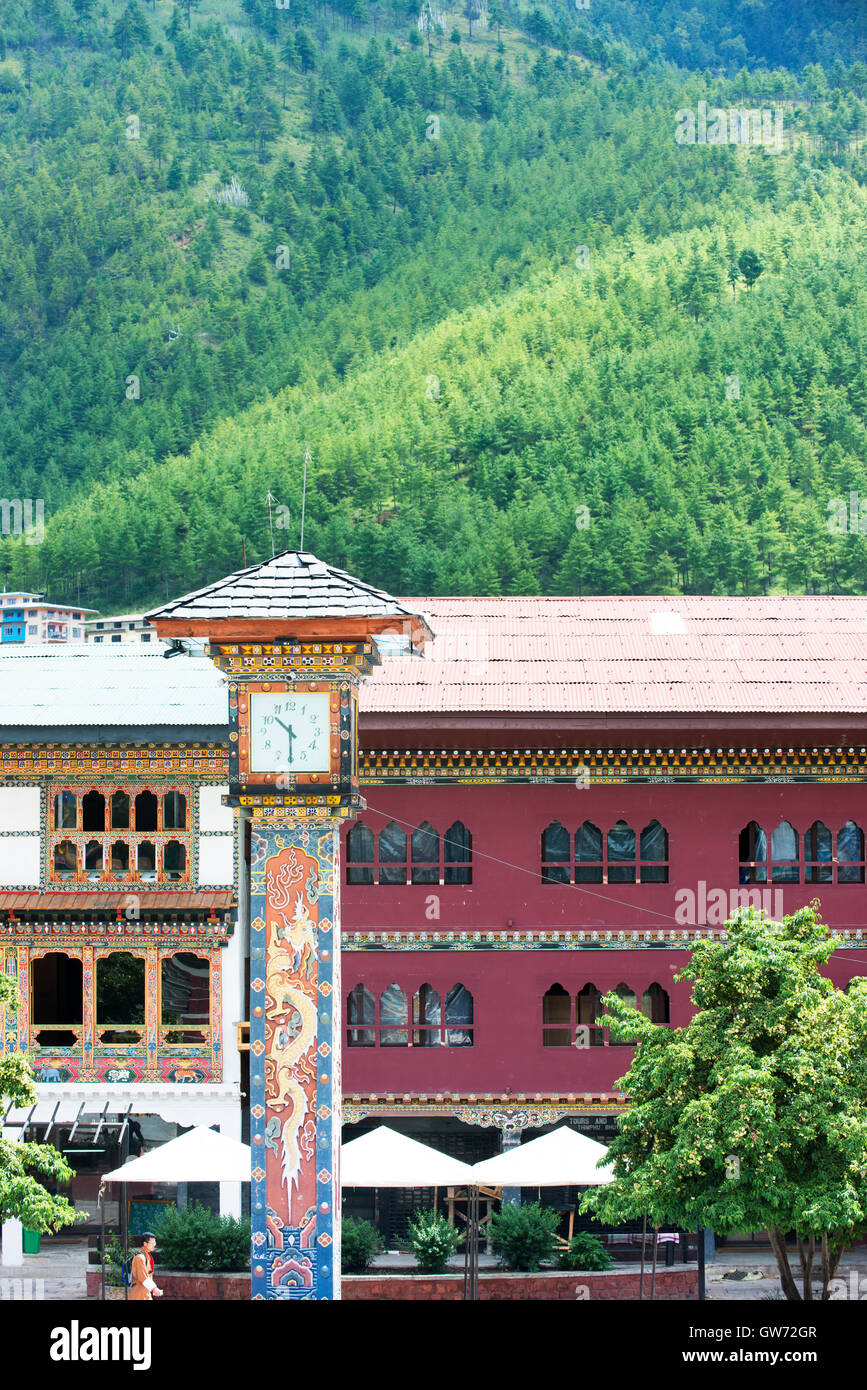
(295,638)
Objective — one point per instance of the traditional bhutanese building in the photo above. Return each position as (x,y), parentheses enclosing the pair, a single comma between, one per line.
(561,794)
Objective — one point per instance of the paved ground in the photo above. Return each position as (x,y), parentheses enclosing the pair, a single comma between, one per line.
(57,1273)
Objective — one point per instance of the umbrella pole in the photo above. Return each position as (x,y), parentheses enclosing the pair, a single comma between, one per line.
(474,1218)
(643,1240)
(102,1242)
(124,1231)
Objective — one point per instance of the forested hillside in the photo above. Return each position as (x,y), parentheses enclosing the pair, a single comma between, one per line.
(532,343)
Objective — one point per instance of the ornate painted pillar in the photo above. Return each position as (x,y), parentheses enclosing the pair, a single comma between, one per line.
(295,1035)
(294,637)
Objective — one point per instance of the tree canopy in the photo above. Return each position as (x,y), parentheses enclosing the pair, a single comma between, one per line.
(754,1115)
(22,1196)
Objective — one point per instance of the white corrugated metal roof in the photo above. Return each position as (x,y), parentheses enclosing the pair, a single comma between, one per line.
(124,685)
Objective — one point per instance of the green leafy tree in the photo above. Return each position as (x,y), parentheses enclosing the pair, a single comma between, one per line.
(754,1115)
(22,1196)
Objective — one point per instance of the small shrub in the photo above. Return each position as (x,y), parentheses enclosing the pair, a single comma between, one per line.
(432,1240)
(523,1236)
(194,1238)
(359,1242)
(585,1251)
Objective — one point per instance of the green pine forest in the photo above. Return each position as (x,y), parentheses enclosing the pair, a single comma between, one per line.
(531,343)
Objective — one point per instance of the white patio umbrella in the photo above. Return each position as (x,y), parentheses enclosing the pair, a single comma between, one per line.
(200,1155)
(563,1158)
(384,1158)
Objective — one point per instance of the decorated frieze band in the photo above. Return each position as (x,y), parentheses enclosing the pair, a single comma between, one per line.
(602,767)
(114,760)
(466,768)
(63,933)
(298,659)
(509,1113)
(588,940)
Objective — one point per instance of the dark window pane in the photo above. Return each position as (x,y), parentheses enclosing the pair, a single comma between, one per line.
(392,852)
(120,995)
(145,811)
(359,855)
(588,844)
(56,991)
(185,990)
(850,854)
(393,1018)
(459,1017)
(93,811)
(621,853)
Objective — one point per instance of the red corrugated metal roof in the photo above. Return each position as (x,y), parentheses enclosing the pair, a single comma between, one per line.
(24,901)
(631,655)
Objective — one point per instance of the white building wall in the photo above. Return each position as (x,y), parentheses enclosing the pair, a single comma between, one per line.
(19,809)
(19,861)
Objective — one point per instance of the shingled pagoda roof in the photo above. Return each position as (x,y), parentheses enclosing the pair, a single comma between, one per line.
(293,594)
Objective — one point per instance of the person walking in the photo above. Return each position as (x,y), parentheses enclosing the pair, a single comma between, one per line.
(143,1287)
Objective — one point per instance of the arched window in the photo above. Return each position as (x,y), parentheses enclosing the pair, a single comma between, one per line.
(174,811)
(785,867)
(56,999)
(359,855)
(556,854)
(426,1017)
(393,1018)
(175,859)
(621,853)
(65,859)
(360,1017)
(93,857)
(146,858)
(120,998)
(850,853)
(425,854)
(818,854)
(145,811)
(119,811)
(459,1017)
(65,811)
(185,990)
(588,853)
(93,811)
(654,854)
(628,997)
(588,1010)
(556,1017)
(753,854)
(655,1004)
(458,854)
(392,854)
(120,857)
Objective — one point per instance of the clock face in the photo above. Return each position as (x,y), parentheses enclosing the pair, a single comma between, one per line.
(289,732)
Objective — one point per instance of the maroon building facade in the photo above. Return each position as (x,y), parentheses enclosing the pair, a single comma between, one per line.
(561,794)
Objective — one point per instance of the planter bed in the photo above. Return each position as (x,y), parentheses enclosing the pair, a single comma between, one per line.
(613,1285)
(182,1285)
(671,1284)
